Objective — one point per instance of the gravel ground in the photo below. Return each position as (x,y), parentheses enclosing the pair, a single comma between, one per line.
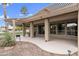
(25,49)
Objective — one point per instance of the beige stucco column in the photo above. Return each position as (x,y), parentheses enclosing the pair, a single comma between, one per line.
(31,30)
(46,30)
(65,28)
(24,29)
(14,26)
(78,32)
(56,29)
(37,30)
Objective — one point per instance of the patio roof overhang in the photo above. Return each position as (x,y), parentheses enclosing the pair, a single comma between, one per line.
(46,13)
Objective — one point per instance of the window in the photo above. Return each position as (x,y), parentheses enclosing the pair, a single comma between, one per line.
(72,29)
(61,28)
(53,29)
(41,29)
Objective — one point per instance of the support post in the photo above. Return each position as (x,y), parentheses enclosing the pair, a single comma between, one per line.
(37,30)
(78,31)
(31,30)
(14,33)
(46,30)
(65,28)
(56,29)
(24,29)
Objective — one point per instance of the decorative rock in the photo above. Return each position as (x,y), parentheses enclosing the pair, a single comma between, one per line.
(8,48)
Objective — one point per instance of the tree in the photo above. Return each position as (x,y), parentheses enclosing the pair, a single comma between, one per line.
(24,10)
(18,27)
(5,15)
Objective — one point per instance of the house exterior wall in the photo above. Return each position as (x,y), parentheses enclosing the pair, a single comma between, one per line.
(64,18)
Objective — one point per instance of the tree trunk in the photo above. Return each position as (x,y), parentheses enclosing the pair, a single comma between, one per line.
(5,16)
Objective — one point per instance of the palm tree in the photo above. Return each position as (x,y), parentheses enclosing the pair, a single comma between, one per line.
(24,12)
(5,15)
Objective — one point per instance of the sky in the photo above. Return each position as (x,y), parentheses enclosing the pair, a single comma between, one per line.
(13,10)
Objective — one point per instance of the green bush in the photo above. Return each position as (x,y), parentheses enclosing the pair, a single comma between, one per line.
(7,41)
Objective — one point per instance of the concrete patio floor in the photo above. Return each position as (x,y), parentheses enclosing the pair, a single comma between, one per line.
(57,46)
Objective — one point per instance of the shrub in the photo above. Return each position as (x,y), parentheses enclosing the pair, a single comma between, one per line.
(7,41)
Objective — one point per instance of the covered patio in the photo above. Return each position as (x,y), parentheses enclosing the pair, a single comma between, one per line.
(56,46)
(53,25)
